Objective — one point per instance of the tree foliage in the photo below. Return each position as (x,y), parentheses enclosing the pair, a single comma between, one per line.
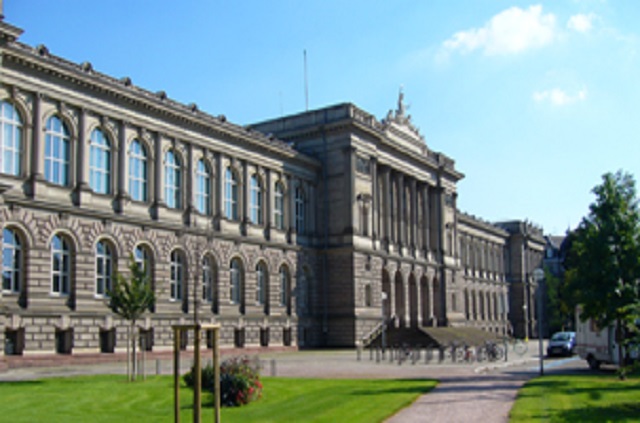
(603,266)
(604,260)
(560,303)
(130,298)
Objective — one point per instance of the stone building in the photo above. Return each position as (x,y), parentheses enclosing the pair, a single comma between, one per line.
(309,230)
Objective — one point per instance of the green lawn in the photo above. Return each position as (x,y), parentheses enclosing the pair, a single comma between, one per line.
(109,398)
(578,398)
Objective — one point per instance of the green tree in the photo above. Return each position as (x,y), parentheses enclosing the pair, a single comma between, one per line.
(559,310)
(603,266)
(129,299)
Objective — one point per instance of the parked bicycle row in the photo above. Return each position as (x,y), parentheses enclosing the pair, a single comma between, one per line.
(455,352)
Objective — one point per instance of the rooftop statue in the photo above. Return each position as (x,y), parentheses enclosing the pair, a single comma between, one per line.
(400,117)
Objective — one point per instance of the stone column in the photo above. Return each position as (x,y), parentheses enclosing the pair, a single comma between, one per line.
(426,219)
(158,171)
(454,230)
(392,294)
(290,215)
(386,218)
(36,140)
(393,209)
(414,215)
(405,289)
(310,209)
(218,211)
(375,229)
(246,201)
(419,300)
(437,224)
(81,178)
(188,181)
(268,199)
(402,240)
(431,299)
(350,189)
(121,183)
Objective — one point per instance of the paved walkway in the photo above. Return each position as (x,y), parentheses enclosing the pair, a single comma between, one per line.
(466,392)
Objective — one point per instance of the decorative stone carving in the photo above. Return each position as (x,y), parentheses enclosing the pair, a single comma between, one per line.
(400,117)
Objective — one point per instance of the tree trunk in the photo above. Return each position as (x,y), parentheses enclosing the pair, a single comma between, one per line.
(620,341)
(128,344)
(133,350)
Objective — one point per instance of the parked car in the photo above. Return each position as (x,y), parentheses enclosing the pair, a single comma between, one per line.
(562,343)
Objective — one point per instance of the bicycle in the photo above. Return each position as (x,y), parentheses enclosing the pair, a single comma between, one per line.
(454,352)
(519,346)
(491,352)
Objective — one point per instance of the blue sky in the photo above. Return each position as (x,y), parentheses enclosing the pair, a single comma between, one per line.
(533,100)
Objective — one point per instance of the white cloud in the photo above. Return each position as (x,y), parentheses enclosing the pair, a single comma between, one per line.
(511,31)
(559,97)
(581,22)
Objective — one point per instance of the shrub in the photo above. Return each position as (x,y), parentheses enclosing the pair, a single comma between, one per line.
(239,381)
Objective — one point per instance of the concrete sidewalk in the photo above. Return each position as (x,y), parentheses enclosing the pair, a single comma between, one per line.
(466,392)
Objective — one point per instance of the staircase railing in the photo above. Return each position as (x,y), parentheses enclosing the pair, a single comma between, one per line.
(377,331)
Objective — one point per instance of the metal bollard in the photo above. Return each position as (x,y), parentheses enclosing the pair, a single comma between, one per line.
(370,352)
(358,352)
(377,355)
(158,367)
(273,367)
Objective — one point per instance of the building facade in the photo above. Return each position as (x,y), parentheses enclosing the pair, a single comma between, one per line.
(310,230)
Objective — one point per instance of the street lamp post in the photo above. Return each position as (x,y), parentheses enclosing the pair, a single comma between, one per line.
(538,275)
(384,324)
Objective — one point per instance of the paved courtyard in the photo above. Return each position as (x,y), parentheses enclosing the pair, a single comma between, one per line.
(466,392)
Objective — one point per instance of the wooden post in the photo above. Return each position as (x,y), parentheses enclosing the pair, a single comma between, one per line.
(216,375)
(176,374)
(197,389)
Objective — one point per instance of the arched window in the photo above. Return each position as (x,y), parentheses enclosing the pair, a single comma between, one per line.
(208,277)
(10,139)
(57,152)
(60,265)
(255,211)
(285,288)
(203,188)
(236,281)
(142,256)
(230,195)
(105,268)
(261,284)
(138,171)
(11,261)
(177,275)
(100,165)
(300,210)
(172,180)
(278,206)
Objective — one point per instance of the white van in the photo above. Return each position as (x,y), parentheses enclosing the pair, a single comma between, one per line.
(598,345)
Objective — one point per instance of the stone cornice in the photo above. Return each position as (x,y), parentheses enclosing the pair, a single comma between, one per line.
(474,221)
(84,76)
(347,115)
(8,32)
